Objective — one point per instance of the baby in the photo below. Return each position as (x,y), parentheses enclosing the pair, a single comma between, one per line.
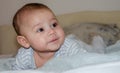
(41,37)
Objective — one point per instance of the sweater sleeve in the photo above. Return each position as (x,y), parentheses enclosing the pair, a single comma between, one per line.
(24,60)
(74,46)
(70,47)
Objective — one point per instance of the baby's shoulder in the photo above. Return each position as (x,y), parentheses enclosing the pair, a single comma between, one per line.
(23,52)
(71,39)
(24,59)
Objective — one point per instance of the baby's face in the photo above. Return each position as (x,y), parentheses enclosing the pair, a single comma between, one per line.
(42,30)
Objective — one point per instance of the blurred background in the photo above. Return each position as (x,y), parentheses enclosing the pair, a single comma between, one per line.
(9,7)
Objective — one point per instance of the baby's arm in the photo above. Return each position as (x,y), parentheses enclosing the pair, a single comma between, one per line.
(23,60)
(75,45)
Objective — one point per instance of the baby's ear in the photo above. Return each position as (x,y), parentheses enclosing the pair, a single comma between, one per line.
(23,41)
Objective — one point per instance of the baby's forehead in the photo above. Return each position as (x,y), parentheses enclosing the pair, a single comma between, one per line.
(29,11)
(26,13)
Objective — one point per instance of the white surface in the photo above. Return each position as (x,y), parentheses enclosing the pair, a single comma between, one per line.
(113,67)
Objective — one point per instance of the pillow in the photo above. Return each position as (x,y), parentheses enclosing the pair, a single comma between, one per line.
(86,31)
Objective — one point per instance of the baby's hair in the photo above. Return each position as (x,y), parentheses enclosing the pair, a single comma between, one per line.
(27,7)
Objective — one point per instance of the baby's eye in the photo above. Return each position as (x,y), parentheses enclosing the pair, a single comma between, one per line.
(40,30)
(54,25)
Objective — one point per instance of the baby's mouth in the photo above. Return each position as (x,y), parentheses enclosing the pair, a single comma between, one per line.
(54,40)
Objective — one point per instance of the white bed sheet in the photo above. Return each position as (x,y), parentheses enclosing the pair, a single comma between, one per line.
(111,67)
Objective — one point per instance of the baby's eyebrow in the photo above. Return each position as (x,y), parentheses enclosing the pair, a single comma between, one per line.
(54,18)
(36,25)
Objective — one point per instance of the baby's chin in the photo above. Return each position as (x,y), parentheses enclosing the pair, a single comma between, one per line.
(54,48)
(56,44)
(50,50)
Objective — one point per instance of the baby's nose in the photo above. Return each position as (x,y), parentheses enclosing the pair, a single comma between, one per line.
(51,31)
